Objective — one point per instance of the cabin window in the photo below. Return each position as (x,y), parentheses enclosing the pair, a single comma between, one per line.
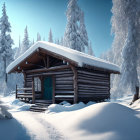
(37,83)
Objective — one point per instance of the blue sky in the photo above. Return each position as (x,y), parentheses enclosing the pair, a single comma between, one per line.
(41,15)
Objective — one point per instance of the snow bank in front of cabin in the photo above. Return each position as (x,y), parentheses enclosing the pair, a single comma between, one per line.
(65,106)
(101,121)
(15,104)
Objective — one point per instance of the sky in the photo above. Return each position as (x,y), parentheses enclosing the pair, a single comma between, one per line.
(41,15)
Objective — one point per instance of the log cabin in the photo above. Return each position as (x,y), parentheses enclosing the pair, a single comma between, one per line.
(56,73)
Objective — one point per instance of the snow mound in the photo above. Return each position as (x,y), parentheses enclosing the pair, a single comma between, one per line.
(101,121)
(65,106)
(136,105)
(4,114)
(15,104)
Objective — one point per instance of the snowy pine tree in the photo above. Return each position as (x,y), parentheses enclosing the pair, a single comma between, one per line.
(90,50)
(57,41)
(61,41)
(38,37)
(50,38)
(83,33)
(5,41)
(25,42)
(17,53)
(120,30)
(130,52)
(72,37)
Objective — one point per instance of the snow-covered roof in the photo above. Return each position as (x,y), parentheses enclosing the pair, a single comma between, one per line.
(80,58)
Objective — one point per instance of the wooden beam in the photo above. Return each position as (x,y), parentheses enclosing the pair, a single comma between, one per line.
(48,69)
(75,83)
(109,85)
(58,56)
(29,63)
(16,91)
(48,61)
(53,78)
(42,87)
(24,74)
(33,91)
(20,89)
(45,64)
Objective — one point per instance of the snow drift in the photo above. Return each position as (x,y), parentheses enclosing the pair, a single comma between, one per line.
(65,106)
(15,104)
(108,121)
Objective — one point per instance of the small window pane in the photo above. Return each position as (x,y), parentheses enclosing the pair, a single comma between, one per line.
(37,83)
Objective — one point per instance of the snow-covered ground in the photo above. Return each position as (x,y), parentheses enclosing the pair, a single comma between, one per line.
(114,120)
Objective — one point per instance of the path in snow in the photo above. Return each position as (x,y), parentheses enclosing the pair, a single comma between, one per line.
(37,128)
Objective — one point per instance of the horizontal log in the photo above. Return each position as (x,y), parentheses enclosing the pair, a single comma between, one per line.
(24,93)
(64,78)
(49,69)
(93,82)
(28,91)
(64,89)
(64,82)
(64,75)
(64,96)
(64,86)
(20,89)
(24,96)
(92,73)
(86,77)
(94,95)
(92,92)
(64,99)
(65,92)
(29,84)
(93,86)
(28,80)
(50,73)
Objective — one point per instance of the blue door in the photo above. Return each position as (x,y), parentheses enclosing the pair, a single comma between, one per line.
(48,88)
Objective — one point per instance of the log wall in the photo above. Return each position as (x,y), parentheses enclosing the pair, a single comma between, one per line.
(93,85)
(63,83)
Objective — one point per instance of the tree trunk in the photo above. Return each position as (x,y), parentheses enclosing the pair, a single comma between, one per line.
(136,95)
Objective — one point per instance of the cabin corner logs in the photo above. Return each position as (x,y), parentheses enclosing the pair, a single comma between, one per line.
(69,83)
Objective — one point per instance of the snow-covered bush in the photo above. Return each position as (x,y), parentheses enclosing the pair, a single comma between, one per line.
(4,114)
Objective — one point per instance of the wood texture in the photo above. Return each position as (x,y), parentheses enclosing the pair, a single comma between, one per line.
(93,85)
(33,91)
(75,84)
